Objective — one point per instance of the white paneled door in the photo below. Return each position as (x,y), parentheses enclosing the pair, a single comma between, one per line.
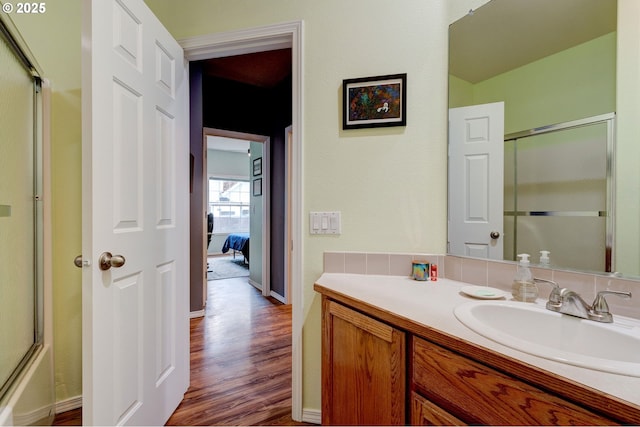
(476,180)
(135,149)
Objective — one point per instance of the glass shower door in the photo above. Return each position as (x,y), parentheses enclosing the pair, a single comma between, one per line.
(19,215)
(561,198)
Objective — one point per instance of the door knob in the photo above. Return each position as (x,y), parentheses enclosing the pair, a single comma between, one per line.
(494,234)
(80,262)
(107,260)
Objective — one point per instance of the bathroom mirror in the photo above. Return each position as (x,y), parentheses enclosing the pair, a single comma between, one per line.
(553,64)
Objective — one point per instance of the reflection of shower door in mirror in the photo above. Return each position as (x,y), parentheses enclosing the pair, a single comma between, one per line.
(561,199)
(20,330)
(476,157)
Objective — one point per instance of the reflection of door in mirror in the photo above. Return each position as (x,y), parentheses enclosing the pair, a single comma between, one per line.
(476,180)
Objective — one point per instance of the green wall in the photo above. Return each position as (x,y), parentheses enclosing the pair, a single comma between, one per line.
(573,84)
(369,175)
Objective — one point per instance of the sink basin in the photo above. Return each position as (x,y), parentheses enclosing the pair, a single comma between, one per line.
(609,347)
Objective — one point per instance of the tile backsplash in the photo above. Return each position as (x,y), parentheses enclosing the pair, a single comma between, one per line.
(375,263)
(497,274)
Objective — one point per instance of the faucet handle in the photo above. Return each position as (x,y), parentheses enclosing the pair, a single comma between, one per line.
(600,304)
(600,308)
(556,293)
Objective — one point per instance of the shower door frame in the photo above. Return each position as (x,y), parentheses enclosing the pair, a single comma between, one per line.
(609,213)
(42,304)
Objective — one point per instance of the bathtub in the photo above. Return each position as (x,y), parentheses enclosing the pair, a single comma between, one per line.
(30,401)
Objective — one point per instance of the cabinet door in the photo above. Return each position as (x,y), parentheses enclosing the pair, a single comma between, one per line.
(425,413)
(363,369)
(478,394)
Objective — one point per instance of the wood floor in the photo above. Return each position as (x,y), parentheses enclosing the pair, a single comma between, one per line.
(240,361)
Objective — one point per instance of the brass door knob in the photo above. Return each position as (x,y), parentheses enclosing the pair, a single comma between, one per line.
(107,260)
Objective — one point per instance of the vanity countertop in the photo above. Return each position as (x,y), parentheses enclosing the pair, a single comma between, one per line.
(431,304)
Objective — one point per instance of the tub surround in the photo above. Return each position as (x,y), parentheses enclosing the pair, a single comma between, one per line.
(379,285)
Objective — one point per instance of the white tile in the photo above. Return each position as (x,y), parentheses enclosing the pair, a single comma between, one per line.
(355,263)
(400,264)
(334,262)
(378,264)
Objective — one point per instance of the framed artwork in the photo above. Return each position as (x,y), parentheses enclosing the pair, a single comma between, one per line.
(257,167)
(374,102)
(257,187)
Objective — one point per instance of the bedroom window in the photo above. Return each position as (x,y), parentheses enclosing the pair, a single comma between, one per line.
(229,201)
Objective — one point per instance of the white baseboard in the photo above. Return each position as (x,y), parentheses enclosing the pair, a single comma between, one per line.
(33,417)
(194,314)
(278,297)
(69,404)
(313,416)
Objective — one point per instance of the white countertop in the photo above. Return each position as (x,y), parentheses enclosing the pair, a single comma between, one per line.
(432,304)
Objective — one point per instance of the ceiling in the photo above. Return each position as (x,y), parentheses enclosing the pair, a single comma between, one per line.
(262,69)
(506,34)
(223,143)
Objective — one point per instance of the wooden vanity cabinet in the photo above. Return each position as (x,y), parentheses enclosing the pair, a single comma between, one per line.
(363,369)
(450,389)
(384,372)
(426,413)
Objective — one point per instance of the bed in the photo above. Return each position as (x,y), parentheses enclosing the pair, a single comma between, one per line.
(237,242)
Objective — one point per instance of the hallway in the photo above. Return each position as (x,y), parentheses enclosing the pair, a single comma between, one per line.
(240,361)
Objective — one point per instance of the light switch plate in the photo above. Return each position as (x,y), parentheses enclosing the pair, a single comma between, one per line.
(325,223)
(5,210)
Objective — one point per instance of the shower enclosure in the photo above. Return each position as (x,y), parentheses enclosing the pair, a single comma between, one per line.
(558,193)
(21,234)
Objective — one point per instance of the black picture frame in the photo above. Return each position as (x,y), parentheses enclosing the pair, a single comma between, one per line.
(370,102)
(257,166)
(257,187)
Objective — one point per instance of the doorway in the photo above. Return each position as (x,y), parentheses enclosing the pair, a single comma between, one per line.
(288,35)
(241,218)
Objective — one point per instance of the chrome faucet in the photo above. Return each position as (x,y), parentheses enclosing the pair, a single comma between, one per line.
(563,300)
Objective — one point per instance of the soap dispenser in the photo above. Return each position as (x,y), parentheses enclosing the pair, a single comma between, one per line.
(544,259)
(524,288)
